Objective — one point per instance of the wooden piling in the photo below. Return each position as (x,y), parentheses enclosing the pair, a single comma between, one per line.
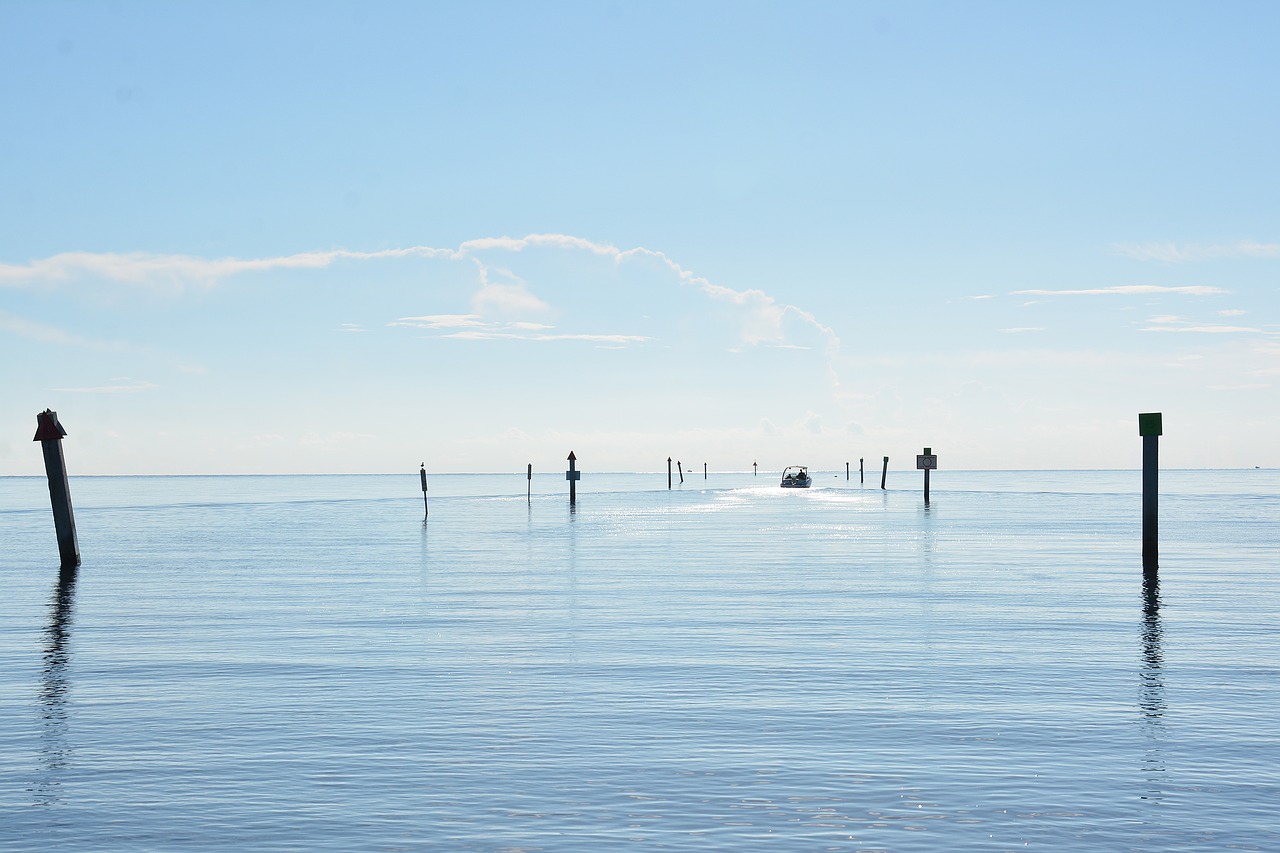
(1150,427)
(884,473)
(49,433)
(426,510)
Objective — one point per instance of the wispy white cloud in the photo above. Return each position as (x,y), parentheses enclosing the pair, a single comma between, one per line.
(1173,253)
(1174,323)
(1246,386)
(1130,290)
(763,320)
(1232,312)
(44,333)
(441,321)
(1177,324)
(480,335)
(352,327)
(472,327)
(179,271)
(510,299)
(144,268)
(123,385)
(1127,290)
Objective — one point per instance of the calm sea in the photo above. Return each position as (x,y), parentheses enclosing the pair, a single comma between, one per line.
(303,663)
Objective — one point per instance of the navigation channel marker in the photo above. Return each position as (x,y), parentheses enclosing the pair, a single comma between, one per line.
(926,462)
(573,476)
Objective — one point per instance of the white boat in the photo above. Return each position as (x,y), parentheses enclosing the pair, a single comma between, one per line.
(796,477)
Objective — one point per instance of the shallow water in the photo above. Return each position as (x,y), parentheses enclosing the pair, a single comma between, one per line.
(301,663)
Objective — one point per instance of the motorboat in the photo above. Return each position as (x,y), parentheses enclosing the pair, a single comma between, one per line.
(796,477)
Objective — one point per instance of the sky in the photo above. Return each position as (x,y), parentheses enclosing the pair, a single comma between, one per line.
(326,237)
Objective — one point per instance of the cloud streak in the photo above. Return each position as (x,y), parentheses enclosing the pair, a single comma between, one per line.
(155,270)
(764,320)
(122,386)
(47,334)
(473,327)
(1204,329)
(1172,253)
(177,271)
(1128,290)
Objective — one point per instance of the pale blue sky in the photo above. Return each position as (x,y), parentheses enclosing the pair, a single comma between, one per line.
(277,237)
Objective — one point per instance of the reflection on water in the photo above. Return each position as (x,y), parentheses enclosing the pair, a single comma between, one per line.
(55,747)
(1151,700)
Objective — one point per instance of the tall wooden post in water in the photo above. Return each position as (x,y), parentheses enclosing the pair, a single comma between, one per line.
(49,433)
(1150,427)
(422,472)
(573,476)
(927,462)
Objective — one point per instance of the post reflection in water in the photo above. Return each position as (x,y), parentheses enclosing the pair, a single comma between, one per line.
(55,748)
(1151,701)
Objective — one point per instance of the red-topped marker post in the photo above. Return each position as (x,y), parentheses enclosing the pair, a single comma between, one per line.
(49,433)
(573,475)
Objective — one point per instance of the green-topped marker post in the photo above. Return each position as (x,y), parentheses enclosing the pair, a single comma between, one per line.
(1150,427)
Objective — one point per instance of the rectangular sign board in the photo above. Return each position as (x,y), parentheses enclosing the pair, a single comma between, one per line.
(927,463)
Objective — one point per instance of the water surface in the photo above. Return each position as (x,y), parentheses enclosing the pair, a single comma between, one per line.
(303,663)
